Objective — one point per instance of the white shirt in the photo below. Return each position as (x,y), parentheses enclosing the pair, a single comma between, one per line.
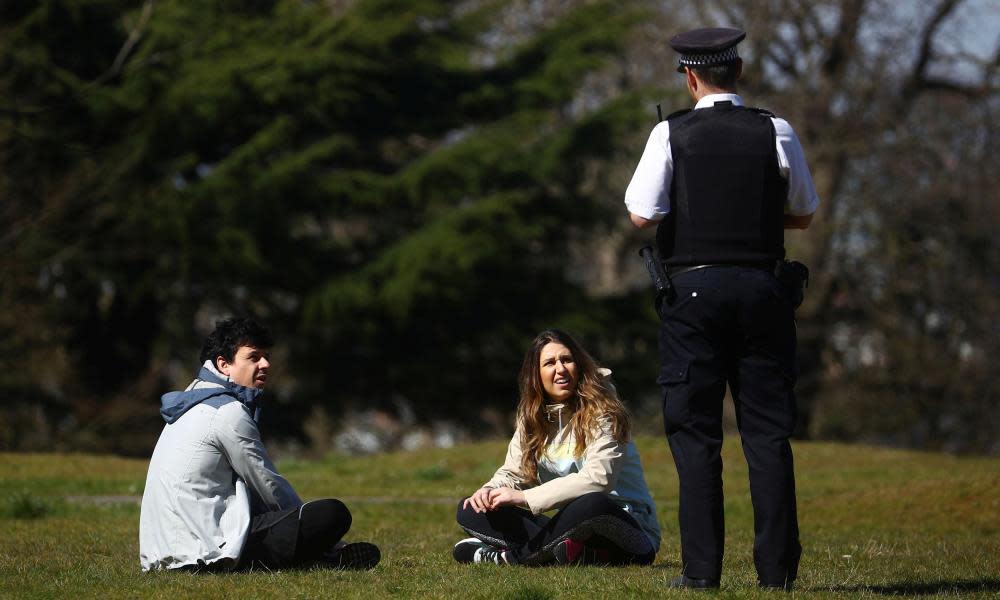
(196,505)
(648,194)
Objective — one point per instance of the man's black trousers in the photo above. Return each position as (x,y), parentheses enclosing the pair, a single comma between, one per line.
(295,536)
(735,325)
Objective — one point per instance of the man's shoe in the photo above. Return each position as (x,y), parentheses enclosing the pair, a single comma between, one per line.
(780,587)
(474,550)
(693,583)
(354,556)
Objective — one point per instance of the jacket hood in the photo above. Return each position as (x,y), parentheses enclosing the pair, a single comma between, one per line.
(175,404)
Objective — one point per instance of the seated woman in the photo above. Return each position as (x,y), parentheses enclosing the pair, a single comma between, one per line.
(571,452)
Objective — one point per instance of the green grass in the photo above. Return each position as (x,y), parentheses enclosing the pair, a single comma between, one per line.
(874,523)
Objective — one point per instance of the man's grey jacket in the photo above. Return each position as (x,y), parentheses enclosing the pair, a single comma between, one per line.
(207,465)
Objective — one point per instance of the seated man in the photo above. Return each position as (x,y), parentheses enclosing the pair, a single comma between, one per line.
(213,498)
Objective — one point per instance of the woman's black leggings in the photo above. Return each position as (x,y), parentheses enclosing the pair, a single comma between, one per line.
(592,519)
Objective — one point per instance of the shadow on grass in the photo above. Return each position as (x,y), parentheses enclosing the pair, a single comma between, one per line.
(25,506)
(919,588)
(530,593)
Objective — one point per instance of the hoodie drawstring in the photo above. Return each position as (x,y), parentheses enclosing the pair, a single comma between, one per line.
(554,408)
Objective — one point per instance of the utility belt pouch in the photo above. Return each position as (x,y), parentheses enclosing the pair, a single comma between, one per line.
(661,282)
(795,277)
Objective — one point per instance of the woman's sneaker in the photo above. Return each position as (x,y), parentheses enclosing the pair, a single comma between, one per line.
(572,552)
(474,550)
(353,556)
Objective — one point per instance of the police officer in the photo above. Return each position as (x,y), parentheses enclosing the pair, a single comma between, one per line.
(720,183)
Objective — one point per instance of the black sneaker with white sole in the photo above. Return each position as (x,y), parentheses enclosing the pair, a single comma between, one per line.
(474,550)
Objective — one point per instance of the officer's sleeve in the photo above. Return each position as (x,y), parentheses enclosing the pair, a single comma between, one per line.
(239,440)
(802,198)
(509,475)
(598,474)
(648,194)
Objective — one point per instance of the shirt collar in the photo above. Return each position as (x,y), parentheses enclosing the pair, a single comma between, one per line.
(711,99)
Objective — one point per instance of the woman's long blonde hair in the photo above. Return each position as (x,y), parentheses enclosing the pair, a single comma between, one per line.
(594,400)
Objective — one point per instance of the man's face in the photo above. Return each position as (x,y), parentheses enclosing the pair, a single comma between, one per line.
(249,366)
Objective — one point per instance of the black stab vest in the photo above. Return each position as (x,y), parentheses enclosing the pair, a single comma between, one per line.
(727,196)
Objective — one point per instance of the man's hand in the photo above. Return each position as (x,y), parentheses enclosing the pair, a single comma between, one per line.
(480,500)
(506,497)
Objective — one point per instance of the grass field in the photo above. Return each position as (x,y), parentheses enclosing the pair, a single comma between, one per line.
(874,523)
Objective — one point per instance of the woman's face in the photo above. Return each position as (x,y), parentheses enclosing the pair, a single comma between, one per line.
(558,371)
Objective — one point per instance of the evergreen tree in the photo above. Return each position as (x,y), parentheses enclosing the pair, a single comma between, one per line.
(384,183)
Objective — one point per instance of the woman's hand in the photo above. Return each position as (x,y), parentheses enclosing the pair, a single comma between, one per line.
(480,500)
(506,497)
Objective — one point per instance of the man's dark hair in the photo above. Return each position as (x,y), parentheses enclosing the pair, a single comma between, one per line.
(722,76)
(231,334)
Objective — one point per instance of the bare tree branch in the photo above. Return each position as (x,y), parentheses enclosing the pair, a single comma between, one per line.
(809,26)
(918,79)
(788,50)
(990,68)
(844,42)
(927,38)
(937,84)
(133,38)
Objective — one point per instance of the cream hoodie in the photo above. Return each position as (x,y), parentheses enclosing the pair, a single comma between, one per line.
(606,466)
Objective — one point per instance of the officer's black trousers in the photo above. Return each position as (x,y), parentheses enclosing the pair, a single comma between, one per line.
(731,324)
